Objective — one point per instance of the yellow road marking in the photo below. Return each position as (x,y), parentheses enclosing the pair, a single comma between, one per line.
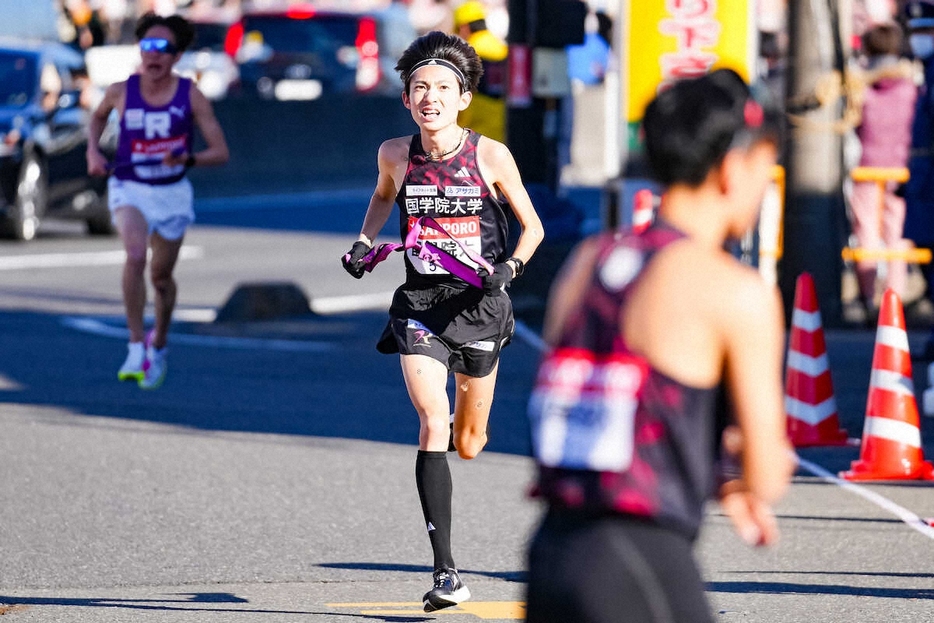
(382,604)
(487,610)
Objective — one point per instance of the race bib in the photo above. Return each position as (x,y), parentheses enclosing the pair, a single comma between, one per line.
(147,153)
(466,230)
(583,407)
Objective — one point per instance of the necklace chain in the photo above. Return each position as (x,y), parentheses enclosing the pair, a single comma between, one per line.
(435,158)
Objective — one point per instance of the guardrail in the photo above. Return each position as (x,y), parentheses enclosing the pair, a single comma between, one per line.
(880,176)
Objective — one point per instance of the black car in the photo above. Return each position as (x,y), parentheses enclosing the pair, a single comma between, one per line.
(43,140)
(303,53)
(206,62)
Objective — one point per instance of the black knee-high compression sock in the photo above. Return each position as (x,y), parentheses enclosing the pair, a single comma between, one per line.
(433,478)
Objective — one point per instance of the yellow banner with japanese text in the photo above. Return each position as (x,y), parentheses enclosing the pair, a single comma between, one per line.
(672,39)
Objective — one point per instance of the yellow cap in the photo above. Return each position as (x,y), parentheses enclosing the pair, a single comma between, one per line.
(470,11)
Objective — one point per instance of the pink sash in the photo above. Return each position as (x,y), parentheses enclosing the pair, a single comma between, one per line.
(431,253)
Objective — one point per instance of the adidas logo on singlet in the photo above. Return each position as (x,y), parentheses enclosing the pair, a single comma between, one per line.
(462,172)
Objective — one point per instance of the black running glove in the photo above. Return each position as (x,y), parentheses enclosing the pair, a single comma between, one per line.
(353,259)
(498,280)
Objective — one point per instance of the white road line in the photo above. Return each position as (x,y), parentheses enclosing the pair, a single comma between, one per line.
(530,337)
(324,306)
(195,314)
(97,327)
(81,258)
(353,302)
(913,521)
(886,504)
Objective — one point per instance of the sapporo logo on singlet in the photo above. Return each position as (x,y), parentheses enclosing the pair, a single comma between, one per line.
(465,229)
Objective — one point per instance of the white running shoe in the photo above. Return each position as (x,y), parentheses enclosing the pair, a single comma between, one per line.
(132,368)
(155,367)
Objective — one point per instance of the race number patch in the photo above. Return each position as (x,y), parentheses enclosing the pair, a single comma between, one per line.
(582,409)
(149,152)
(465,229)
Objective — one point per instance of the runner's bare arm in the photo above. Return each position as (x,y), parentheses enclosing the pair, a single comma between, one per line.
(499,167)
(568,289)
(216,151)
(113,99)
(752,331)
(391,156)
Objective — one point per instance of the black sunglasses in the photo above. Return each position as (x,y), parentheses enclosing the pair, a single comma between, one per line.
(152,44)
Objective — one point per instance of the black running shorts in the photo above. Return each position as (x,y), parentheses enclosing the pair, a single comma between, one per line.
(612,569)
(461,327)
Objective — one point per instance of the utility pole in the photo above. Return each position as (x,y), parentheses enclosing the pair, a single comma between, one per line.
(525,118)
(542,28)
(815,218)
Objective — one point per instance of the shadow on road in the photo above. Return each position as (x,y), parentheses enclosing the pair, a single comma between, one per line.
(18,604)
(338,386)
(786,588)
(509,576)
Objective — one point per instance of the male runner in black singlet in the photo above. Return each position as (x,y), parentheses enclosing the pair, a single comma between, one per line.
(437,322)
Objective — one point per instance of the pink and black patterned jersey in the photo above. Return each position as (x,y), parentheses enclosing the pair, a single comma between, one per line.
(454,193)
(148,132)
(628,439)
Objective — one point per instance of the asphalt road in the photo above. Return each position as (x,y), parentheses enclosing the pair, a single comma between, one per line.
(272,477)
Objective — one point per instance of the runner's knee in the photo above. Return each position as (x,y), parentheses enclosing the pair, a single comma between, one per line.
(136,259)
(469,444)
(435,425)
(162,280)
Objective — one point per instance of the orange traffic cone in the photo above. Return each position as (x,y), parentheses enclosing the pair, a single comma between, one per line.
(810,406)
(891,447)
(643,210)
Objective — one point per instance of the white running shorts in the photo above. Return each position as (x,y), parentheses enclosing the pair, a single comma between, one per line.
(167,208)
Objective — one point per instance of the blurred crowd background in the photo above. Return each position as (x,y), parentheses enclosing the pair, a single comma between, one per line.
(87,23)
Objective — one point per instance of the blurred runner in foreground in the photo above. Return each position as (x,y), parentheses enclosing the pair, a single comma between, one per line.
(645,329)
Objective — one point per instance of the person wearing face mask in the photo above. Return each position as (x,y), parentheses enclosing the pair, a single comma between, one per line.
(919,191)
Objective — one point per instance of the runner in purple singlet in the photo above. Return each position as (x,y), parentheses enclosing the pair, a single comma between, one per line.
(149,196)
(438,323)
(646,329)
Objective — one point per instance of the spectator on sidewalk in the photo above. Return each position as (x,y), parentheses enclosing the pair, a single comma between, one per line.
(487,112)
(587,62)
(885,137)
